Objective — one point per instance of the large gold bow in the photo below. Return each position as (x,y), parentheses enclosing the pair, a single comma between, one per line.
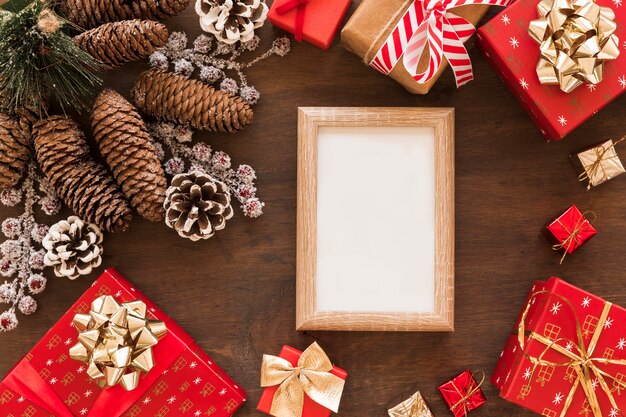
(116,341)
(311,377)
(575,37)
(581,358)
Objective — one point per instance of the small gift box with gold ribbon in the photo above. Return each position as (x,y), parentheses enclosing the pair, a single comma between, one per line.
(571,230)
(599,163)
(115,354)
(414,406)
(300,384)
(462,393)
(566,356)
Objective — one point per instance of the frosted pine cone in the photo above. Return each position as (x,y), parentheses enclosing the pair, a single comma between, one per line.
(196,205)
(231,20)
(74,248)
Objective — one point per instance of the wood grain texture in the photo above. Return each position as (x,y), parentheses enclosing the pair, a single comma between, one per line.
(235,293)
(310,119)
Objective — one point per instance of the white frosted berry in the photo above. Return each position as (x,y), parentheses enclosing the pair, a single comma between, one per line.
(36,260)
(245,192)
(249,94)
(177,41)
(38,232)
(159,151)
(174,166)
(253,207)
(7,267)
(202,44)
(210,74)
(183,67)
(11,227)
(8,321)
(220,161)
(50,205)
(252,44)
(36,283)
(228,85)
(7,293)
(12,249)
(27,305)
(10,197)
(159,60)
(281,46)
(196,167)
(183,133)
(202,152)
(246,174)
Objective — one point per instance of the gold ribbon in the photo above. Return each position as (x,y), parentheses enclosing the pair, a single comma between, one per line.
(116,341)
(472,389)
(311,376)
(580,358)
(415,406)
(600,159)
(576,37)
(573,234)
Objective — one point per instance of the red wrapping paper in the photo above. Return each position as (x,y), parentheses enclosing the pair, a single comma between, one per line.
(184,381)
(458,387)
(553,314)
(321,19)
(566,224)
(505,42)
(311,408)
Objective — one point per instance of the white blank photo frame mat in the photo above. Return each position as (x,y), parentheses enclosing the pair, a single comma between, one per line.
(375,219)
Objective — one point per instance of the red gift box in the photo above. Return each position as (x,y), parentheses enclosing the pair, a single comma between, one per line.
(563,326)
(509,48)
(462,394)
(310,408)
(315,21)
(46,382)
(571,230)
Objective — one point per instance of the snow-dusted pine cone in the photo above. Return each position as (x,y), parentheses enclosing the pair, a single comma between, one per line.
(73,248)
(15,151)
(196,205)
(231,20)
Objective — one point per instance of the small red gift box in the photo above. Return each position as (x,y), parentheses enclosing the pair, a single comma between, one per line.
(566,355)
(310,407)
(315,21)
(571,230)
(462,394)
(509,48)
(46,382)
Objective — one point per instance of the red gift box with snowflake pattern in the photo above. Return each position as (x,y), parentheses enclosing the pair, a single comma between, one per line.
(566,355)
(184,381)
(506,44)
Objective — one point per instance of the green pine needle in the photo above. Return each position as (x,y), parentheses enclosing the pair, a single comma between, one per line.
(39,59)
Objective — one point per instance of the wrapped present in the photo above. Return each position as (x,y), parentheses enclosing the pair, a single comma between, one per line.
(571,230)
(391,36)
(599,163)
(300,384)
(462,393)
(566,356)
(315,21)
(559,58)
(159,371)
(414,406)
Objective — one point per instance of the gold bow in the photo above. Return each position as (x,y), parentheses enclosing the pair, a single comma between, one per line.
(573,234)
(575,37)
(116,341)
(311,377)
(415,406)
(580,358)
(600,163)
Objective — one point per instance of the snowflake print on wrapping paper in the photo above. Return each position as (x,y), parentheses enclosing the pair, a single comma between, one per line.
(558,397)
(118,294)
(527,374)
(198,413)
(594,384)
(591,87)
(586,302)
(622,81)
(146,400)
(608,323)
(614,412)
(80,369)
(562,120)
(514,42)
(223,391)
(556,307)
(171,400)
(523,84)
(569,346)
(49,362)
(88,393)
(192,365)
(197,380)
(84,411)
(53,381)
(68,341)
(21,399)
(621,344)
(617,3)
(505,19)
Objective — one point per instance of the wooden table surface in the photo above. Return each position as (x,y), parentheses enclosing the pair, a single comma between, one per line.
(235,293)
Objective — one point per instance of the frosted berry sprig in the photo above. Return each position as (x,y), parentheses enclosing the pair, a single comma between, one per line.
(21,253)
(200,157)
(214,62)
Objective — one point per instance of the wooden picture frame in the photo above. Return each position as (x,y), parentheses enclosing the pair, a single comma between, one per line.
(312,121)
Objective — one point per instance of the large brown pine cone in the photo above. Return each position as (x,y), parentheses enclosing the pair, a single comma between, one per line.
(115,44)
(84,185)
(172,97)
(15,151)
(125,144)
(196,205)
(89,14)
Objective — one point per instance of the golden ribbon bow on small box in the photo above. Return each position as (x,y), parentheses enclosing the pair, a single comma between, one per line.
(576,37)
(116,341)
(311,376)
(414,406)
(601,163)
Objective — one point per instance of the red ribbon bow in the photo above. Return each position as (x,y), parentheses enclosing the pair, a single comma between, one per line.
(300,6)
(430,23)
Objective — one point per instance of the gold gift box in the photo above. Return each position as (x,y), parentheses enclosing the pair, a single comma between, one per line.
(414,406)
(598,164)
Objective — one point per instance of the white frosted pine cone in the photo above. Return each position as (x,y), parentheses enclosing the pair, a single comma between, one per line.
(73,247)
(231,20)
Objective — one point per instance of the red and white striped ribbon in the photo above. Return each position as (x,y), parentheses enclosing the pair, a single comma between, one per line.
(431,23)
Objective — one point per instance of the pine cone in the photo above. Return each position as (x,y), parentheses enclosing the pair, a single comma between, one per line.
(231,20)
(125,144)
(196,205)
(174,98)
(89,14)
(14,150)
(115,44)
(73,248)
(85,186)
